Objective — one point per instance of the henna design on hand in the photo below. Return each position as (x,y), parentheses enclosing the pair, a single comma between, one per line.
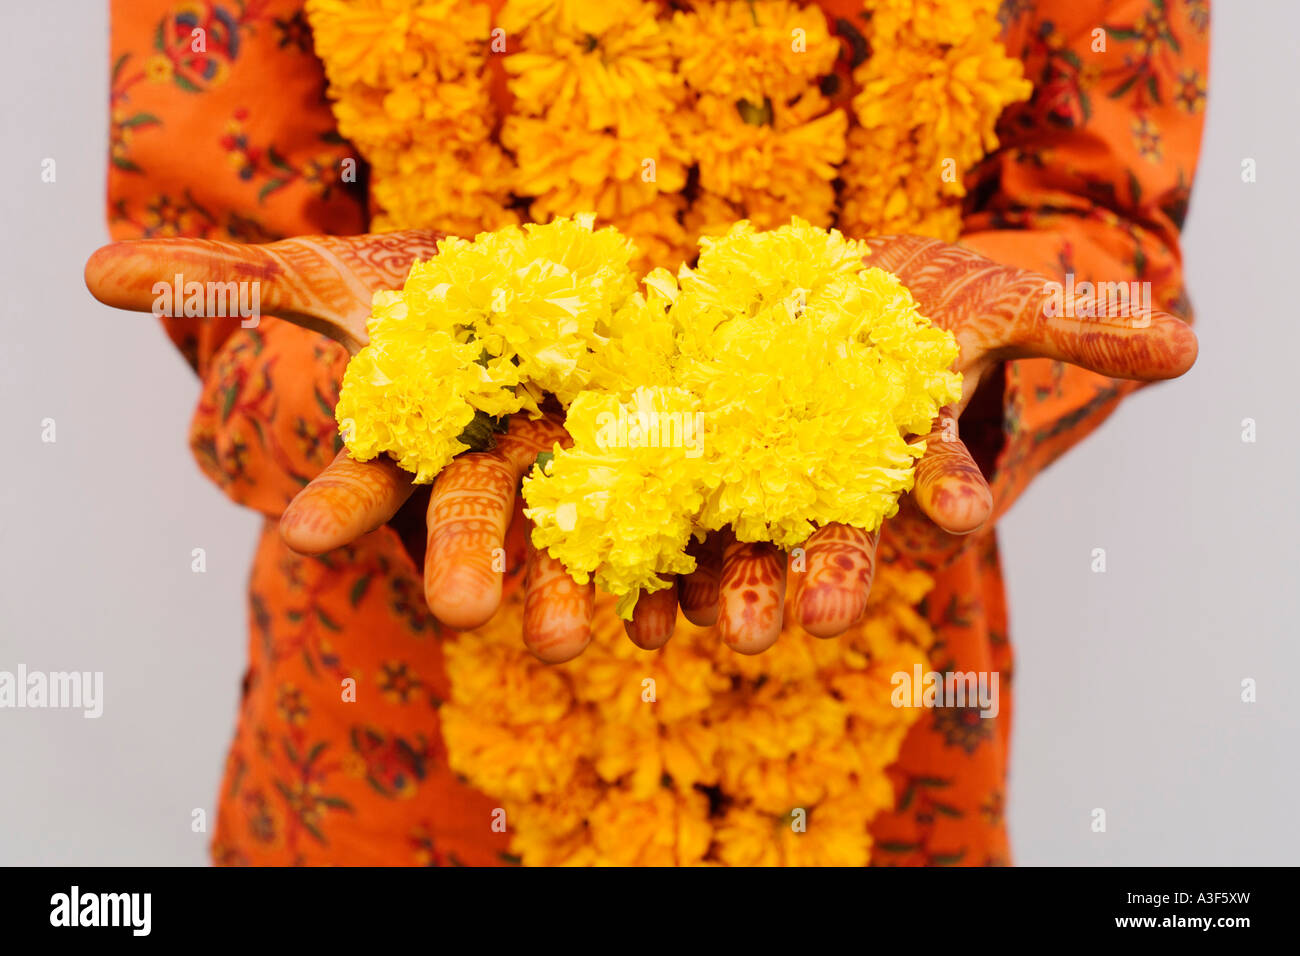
(752,596)
(557,609)
(653,619)
(326,283)
(832,593)
(470,509)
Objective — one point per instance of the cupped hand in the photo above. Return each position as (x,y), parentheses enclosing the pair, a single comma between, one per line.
(325,283)
(996,313)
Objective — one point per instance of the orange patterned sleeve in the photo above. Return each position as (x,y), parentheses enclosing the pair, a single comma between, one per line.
(220,129)
(1091,180)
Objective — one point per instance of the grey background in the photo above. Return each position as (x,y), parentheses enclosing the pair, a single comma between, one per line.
(1128,682)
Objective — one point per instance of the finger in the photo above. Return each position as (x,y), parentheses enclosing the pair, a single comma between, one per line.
(557,609)
(751,596)
(699,590)
(294,279)
(324,283)
(469,511)
(949,488)
(346,500)
(1108,328)
(653,618)
(841,563)
(1110,333)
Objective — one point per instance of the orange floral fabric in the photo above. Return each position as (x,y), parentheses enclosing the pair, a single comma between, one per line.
(237,141)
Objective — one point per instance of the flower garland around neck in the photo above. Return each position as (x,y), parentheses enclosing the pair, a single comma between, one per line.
(669,123)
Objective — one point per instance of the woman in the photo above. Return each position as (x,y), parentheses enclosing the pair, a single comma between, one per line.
(354,744)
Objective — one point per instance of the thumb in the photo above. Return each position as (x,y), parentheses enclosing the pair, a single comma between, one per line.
(1107,328)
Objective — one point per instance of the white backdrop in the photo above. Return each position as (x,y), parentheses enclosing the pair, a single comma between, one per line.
(1128,683)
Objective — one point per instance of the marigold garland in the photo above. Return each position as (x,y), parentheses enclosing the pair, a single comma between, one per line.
(730,755)
(670,128)
(615,102)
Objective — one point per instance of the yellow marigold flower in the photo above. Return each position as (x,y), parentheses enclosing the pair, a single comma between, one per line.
(571,16)
(488,326)
(614,71)
(539,299)
(943,22)
(407,397)
(408,85)
(597,101)
(812,432)
(785,156)
(641,341)
(619,504)
(550,828)
(567,169)
(663,829)
(955,107)
(827,834)
(376,42)
(423,189)
(951,82)
(741,50)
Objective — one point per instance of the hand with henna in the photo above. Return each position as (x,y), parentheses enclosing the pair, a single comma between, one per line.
(325,283)
(995,312)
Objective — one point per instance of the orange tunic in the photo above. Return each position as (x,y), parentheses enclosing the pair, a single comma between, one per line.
(238,142)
